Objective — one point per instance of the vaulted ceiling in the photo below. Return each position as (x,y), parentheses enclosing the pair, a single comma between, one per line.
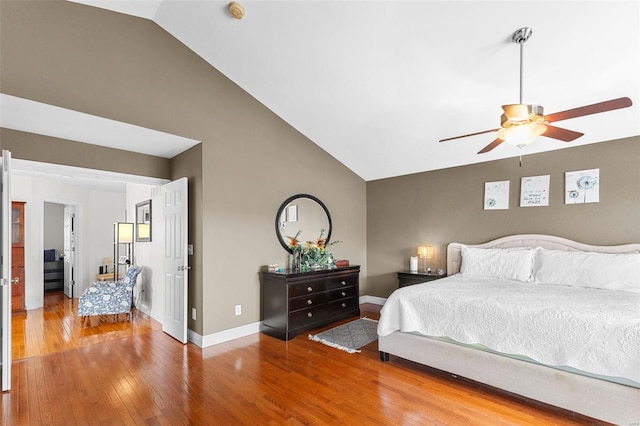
(378,83)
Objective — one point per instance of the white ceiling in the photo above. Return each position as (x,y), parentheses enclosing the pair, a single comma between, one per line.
(378,83)
(36,117)
(80,177)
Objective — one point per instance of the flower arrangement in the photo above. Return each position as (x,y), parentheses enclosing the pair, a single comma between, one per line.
(311,255)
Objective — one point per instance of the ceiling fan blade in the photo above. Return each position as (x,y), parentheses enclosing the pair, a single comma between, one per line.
(589,109)
(561,134)
(470,134)
(492,145)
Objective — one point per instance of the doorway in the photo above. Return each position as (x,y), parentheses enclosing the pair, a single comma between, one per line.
(54,237)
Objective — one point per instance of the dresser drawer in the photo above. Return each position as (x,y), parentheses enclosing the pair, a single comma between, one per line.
(342,293)
(306,288)
(308,301)
(343,304)
(341,282)
(308,316)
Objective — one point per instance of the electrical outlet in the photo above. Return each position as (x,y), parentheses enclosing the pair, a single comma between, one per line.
(193,314)
(238,310)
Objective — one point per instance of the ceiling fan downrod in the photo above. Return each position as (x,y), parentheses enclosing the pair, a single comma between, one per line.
(521,114)
(520,37)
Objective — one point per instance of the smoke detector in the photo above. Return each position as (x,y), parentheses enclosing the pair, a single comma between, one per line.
(236,10)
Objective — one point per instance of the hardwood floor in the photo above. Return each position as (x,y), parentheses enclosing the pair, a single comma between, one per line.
(56,328)
(106,372)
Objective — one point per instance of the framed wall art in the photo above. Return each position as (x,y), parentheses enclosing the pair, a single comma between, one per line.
(496,195)
(534,191)
(582,186)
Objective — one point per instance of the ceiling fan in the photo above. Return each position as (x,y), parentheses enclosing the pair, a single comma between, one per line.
(522,123)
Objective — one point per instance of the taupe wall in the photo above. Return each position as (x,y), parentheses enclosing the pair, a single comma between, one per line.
(189,165)
(46,149)
(128,69)
(447,205)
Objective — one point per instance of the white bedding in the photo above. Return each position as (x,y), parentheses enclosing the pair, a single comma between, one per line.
(592,330)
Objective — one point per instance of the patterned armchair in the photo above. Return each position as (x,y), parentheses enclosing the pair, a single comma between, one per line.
(109,297)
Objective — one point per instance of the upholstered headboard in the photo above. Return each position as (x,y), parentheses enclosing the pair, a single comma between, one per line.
(454,256)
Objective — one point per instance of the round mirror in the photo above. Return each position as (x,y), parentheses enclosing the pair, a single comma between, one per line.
(305,214)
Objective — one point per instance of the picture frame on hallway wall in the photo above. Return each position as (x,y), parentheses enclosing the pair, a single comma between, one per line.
(292,213)
(143,221)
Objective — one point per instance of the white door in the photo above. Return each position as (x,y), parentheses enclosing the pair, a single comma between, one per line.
(176,270)
(69,250)
(5,279)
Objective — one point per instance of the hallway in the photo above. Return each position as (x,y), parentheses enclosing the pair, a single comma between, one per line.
(56,328)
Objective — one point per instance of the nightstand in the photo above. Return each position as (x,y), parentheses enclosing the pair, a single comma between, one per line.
(105,277)
(406,278)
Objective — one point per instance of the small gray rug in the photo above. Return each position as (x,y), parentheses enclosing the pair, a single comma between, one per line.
(349,337)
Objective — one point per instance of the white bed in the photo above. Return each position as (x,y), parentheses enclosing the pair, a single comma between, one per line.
(602,379)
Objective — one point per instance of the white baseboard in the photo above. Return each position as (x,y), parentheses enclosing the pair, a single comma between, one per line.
(373,299)
(222,336)
(245,330)
(194,338)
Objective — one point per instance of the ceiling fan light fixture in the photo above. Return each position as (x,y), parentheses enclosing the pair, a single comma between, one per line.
(522,113)
(516,112)
(521,135)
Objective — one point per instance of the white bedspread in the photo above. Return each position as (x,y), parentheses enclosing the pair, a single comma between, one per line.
(593,330)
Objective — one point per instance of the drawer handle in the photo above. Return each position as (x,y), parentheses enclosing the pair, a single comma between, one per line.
(343,283)
(309,314)
(344,305)
(309,302)
(344,294)
(309,289)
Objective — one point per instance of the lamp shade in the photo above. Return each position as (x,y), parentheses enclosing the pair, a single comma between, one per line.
(123,232)
(425,251)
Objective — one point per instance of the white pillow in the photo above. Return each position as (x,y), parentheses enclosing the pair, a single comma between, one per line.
(507,264)
(588,269)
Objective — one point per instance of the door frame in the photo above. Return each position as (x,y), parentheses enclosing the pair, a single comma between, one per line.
(79,255)
(6,278)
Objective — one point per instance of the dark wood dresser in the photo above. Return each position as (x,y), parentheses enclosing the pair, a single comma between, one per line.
(293,302)
(53,275)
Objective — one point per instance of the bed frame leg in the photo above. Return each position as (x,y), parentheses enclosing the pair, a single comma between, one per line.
(384,356)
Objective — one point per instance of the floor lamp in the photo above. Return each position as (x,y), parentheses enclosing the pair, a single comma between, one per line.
(122,236)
